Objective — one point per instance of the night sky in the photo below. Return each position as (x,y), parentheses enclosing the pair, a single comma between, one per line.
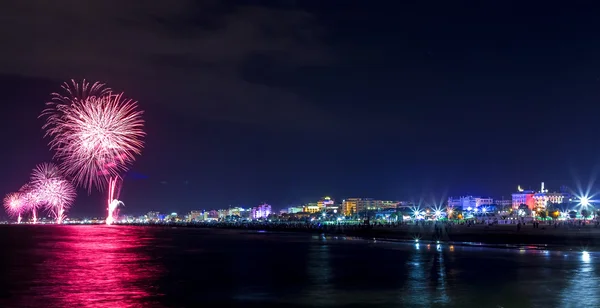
(288,101)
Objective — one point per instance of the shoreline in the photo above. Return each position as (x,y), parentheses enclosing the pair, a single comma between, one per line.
(586,238)
(505,236)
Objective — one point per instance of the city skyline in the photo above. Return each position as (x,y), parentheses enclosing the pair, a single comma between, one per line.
(283,102)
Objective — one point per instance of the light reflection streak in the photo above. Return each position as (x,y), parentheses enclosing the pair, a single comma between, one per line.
(441,273)
(582,284)
(320,273)
(416,292)
(97,266)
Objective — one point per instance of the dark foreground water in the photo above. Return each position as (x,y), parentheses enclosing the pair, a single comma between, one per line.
(100,266)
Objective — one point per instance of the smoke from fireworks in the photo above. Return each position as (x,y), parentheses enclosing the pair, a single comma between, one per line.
(96,134)
(14,206)
(54,191)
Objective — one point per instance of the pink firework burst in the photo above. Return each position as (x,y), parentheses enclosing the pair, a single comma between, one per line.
(96,134)
(14,206)
(31,200)
(54,191)
(77,92)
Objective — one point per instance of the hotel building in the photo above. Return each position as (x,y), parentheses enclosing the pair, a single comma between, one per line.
(540,199)
(353,206)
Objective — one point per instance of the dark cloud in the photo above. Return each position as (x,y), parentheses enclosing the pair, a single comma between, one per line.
(184,56)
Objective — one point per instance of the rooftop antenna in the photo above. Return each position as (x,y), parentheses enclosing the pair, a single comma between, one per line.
(542,187)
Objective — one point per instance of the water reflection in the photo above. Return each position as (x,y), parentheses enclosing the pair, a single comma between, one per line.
(441,287)
(99,266)
(320,273)
(582,286)
(415,292)
(96,266)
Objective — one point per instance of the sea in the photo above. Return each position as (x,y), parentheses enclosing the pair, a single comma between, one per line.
(126,266)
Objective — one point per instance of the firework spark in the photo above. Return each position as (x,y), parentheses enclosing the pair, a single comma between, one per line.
(31,200)
(13,203)
(54,191)
(96,134)
(112,210)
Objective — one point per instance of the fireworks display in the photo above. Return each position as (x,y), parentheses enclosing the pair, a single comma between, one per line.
(47,189)
(55,193)
(31,200)
(96,134)
(14,206)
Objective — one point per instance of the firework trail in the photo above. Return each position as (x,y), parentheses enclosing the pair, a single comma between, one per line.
(13,203)
(54,191)
(96,134)
(31,200)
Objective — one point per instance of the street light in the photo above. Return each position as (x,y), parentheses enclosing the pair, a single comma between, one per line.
(584,201)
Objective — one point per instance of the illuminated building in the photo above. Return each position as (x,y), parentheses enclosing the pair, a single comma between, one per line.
(223,213)
(543,197)
(523,197)
(153,216)
(311,208)
(261,211)
(467,202)
(232,211)
(173,217)
(503,204)
(540,199)
(353,206)
(214,214)
(237,211)
(294,210)
(349,206)
(195,216)
(325,203)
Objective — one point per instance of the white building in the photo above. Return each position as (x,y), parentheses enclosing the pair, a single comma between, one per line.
(503,203)
(294,209)
(467,202)
(261,211)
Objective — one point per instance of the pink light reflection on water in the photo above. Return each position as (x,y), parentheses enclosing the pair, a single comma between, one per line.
(96,266)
